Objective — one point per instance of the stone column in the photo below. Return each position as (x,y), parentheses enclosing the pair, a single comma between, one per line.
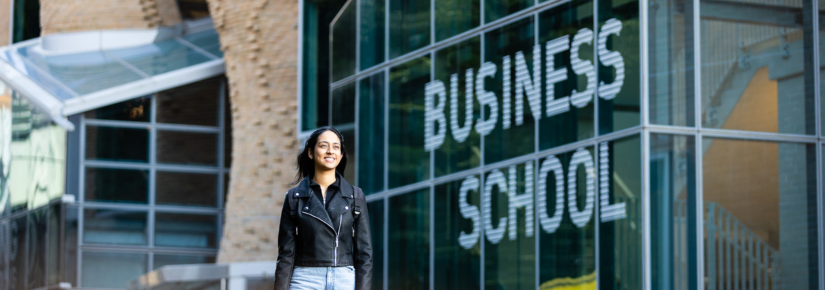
(259,39)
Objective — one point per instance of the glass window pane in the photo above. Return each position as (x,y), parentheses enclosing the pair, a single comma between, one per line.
(343,105)
(620,215)
(343,41)
(207,40)
(55,245)
(821,64)
(497,9)
(753,71)
(117,185)
(372,32)
(160,57)
(187,148)
(510,137)
(376,211)
(349,139)
(194,104)
(114,227)
(70,245)
(117,144)
(182,188)
(137,110)
(119,268)
(36,248)
(315,74)
(457,261)
(17,259)
(672,211)
(4,255)
(567,247)
(760,206)
(453,155)
(509,254)
(371,138)
(452,17)
(409,26)
(406,153)
(409,257)
(168,260)
(671,57)
(570,119)
(621,110)
(83,73)
(186,230)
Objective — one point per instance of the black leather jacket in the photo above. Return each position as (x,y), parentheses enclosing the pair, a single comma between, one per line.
(312,236)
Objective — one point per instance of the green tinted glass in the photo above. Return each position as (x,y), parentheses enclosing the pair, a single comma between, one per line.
(461,149)
(406,153)
(409,26)
(565,30)
(456,235)
(372,25)
(409,234)
(452,17)
(619,91)
(371,134)
(511,136)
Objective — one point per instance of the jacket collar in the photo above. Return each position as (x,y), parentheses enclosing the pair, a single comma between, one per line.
(340,203)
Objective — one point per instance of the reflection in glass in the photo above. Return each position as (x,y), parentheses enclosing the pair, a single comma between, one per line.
(409,26)
(620,238)
(342,42)
(193,104)
(17,259)
(315,73)
(452,17)
(409,235)
(671,78)
(372,32)
(185,230)
(137,110)
(518,139)
(343,105)
(160,57)
(83,73)
(54,244)
(567,251)
(754,75)
(673,211)
(376,210)
(760,214)
(349,139)
(180,188)
(567,123)
(168,260)
(453,155)
(117,144)
(509,254)
(623,110)
(187,148)
(406,153)
(70,238)
(207,40)
(36,248)
(497,9)
(116,185)
(371,134)
(114,227)
(456,265)
(119,268)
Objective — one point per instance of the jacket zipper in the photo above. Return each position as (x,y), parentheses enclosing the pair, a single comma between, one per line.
(340,221)
(330,227)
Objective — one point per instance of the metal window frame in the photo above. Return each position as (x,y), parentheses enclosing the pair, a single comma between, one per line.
(151,208)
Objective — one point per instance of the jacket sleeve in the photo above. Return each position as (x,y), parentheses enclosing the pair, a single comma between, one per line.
(286,248)
(362,245)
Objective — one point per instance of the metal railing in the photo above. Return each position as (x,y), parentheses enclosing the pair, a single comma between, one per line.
(736,258)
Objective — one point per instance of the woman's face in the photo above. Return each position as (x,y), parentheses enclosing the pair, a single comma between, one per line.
(327,151)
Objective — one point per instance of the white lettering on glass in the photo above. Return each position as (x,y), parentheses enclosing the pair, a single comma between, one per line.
(494,235)
(611,58)
(486,98)
(434,114)
(582,67)
(470,212)
(581,157)
(529,86)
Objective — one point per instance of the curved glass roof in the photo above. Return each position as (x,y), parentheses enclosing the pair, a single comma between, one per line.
(67,84)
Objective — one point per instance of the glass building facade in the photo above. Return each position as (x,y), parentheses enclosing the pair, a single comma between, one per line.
(605,144)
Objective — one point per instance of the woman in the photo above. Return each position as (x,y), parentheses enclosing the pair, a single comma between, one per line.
(324,240)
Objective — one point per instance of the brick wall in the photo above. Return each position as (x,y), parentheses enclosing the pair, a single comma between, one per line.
(5,17)
(259,39)
(71,15)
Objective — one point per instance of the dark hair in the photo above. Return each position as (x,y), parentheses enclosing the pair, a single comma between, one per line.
(306,166)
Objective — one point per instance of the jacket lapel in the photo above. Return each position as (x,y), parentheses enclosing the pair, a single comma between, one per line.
(342,200)
(312,206)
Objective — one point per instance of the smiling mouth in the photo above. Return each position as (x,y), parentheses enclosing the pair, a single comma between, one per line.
(329,159)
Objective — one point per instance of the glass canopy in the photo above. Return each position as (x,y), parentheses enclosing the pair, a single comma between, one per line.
(67,84)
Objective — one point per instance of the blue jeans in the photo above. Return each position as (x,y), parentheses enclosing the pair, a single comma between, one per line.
(323,278)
